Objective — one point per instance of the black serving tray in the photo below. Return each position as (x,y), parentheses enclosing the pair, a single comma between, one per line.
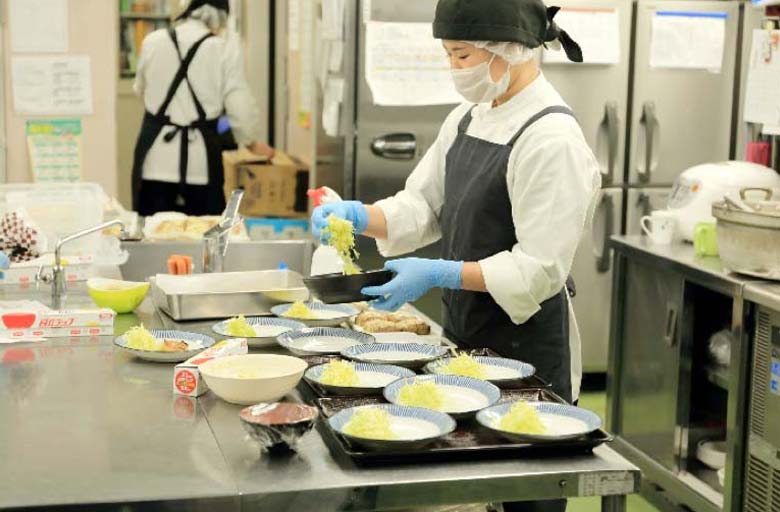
(469,441)
(532,382)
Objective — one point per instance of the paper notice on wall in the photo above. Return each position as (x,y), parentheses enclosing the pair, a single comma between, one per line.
(293,25)
(306,65)
(331,105)
(762,91)
(38,26)
(333,20)
(688,40)
(596,30)
(54,148)
(406,66)
(335,56)
(52,85)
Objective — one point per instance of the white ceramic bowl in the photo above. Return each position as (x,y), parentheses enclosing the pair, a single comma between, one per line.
(252,378)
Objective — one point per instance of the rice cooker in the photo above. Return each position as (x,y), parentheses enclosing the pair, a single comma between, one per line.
(697,188)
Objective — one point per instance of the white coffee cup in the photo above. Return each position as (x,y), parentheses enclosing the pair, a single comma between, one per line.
(660,226)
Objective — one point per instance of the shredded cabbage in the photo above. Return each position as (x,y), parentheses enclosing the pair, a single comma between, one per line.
(239,327)
(341,236)
(522,418)
(339,373)
(140,339)
(464,365)
(422,394)
(300,310)
(370,423)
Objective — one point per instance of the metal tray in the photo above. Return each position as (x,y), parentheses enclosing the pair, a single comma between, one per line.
(207,295)
(469,441)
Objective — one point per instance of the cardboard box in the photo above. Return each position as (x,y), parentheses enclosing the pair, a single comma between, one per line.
(186,377)
(276,188)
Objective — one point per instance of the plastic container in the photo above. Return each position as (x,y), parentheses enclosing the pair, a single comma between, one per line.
(325,259)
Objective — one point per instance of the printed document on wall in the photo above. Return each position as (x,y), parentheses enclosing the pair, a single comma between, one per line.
(38,26)
(52,85)
(596,30)
(762,92)
(406,66)
(688,40)
(54,148)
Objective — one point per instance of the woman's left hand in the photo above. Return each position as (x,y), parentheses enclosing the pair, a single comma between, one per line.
(413,278)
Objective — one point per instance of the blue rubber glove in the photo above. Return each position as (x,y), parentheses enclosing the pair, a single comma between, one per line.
(414,277)
(4,261)
(353,211)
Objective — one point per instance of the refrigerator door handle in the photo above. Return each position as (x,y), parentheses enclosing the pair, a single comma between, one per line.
(395,146)
(645,206)
(611,124)
(650,123)
(602,257)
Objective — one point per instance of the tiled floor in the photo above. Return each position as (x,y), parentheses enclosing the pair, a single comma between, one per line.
(597,402)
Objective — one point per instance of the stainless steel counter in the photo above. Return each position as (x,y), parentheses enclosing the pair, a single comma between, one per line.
(81,423)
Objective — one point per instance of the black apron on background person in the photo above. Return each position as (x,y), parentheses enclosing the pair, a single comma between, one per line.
(150,197)
(476,222)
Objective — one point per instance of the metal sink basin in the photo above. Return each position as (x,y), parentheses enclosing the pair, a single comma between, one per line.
(150,258)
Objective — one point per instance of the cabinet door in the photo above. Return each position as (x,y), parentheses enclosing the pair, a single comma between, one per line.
(680,117)
(649,362)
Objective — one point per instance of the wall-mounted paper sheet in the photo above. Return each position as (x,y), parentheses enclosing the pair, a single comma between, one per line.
(55,149)
(406,66)
(293,25)
(596,30)
(307,73)
(38,26)
(762,91)
(331,105)
(335,56)
(333,20)
(52,85)
(688,40)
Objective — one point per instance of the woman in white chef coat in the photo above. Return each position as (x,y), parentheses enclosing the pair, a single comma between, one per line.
(187,76)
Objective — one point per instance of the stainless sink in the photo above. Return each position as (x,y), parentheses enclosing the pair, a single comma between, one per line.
(150,258)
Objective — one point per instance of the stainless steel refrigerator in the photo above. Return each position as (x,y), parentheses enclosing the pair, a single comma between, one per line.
(646,125)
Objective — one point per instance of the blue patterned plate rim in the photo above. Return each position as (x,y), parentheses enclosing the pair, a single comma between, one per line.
(591,420)
(221,327)
(315,372)
(187,337)
(444,422)
(426,351)
(346,309)
(524,369)
(490,391)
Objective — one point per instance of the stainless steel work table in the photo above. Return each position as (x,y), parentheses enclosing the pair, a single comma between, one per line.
(82,424)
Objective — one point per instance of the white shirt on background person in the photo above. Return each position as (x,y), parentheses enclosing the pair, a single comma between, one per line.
(217,77)
(553,180)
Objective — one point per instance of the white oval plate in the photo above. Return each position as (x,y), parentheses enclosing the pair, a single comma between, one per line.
(267,329)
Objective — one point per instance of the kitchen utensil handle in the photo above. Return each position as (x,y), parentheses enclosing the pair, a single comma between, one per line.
(649,121)
(645,223)
(744,192)
(395,146)
(611,118)
(602,261)
(670,327)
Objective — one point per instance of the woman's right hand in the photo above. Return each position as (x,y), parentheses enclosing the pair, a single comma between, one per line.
(353,211)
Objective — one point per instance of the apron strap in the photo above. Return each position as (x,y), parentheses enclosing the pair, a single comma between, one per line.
(559,109)
(463,126)
(198,106)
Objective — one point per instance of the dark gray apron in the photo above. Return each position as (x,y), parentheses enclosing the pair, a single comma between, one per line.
(153,124)
(476,222)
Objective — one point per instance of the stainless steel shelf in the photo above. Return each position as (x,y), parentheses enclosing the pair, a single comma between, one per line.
(718,375)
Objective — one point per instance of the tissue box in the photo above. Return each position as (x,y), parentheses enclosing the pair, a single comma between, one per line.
(186,377)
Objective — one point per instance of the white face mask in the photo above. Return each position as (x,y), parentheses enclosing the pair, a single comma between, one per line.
(477,86)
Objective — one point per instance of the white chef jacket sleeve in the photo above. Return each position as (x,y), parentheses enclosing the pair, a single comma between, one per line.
(413,213)
(553,181)
(139,84)
(240,104)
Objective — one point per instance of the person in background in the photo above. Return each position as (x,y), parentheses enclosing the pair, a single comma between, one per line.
(507,186)
(188,76)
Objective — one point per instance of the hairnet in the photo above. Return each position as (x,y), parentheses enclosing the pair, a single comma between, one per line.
(213,18)
(513,53)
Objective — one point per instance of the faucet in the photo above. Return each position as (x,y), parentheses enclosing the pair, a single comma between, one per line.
(57,276)
(215,240)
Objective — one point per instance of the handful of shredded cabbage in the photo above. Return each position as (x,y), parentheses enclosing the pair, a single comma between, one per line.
(522,418)
(370,423)
(140,339)
(464,365)
(240,328)
(422,394)
(339,373)
(341,236)
(300,310)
